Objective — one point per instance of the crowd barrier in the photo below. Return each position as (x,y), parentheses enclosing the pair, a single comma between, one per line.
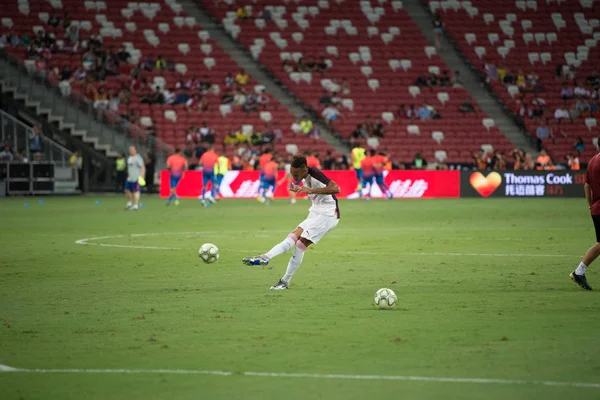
(406,184)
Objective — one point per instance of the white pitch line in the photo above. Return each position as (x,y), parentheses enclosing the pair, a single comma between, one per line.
(92,242)
(6,368)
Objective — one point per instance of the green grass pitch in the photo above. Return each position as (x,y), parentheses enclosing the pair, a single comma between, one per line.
(482,285)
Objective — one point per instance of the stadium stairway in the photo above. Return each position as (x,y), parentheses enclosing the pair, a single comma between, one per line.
(237,52)
(61,111)
(420,13)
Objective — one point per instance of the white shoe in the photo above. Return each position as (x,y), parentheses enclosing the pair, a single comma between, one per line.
(281,285)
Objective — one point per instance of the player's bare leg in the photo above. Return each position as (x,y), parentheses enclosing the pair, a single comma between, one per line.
(579,274)
(128,197)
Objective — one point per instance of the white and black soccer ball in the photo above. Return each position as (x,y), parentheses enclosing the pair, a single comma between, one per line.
(385,298)
(209,253)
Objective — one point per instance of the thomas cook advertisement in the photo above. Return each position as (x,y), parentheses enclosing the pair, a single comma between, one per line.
(522,184)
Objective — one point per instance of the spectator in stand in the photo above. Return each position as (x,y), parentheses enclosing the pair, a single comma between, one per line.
(66,23)
(242,13)
(419,162)
(401,111)
(481,160)
(149,64)
(100,100)
(205,131)
(229,80)
(566,92)
(345,86)
(508,78)
(424,113)
(35,139)
(182,96)
(579,146)
(411,113)
(240,98)
(170,64)
(306,125)
(455,80)
(583,108)
(573,162)
(491,71)
(242,78)
(525,111)
(277,131)
(421,81)
(113,102)
(123,54)
(433,81)
(205,84)
(310,65)
(325,99)
(544,161)
(53,20)
(263,99)
(542,133)
(322,65)
(296,127)
(498,161)
(438,30)
(593,81)
(521,80)
(378,129)
(533,81)
(231,138)
(561,113)
(444,79)
(227,97)
(330,114)
(467,106)
(6,154)
(288,66)
(251,105)
(501,71)
(169,96)
(579,91)
(357,135)
(160,63)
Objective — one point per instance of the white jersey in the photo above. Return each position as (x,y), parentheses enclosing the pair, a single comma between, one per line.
(288,169)
(323,204)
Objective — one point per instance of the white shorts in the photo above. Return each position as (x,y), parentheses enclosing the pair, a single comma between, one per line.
(315,226)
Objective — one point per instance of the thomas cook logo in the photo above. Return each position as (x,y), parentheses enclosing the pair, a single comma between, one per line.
(485,185)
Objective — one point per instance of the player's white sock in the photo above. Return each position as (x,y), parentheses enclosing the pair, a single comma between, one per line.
(581,269)
(282,247)
(295,261)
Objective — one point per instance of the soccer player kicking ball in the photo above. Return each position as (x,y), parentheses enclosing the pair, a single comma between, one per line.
(592,195)
(323,216)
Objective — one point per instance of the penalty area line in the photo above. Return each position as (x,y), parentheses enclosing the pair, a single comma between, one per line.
(7,369)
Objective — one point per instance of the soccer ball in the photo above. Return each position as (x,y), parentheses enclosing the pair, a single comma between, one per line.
(209,253)
(385,298)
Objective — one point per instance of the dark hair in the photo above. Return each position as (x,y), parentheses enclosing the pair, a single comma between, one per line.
(299,161)
(372,152)
(177,150)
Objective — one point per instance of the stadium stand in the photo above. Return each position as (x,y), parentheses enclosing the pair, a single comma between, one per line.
(145,31)
(551,45)
(374,54)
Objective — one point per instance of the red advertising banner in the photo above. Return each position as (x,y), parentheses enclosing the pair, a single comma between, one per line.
(403,184)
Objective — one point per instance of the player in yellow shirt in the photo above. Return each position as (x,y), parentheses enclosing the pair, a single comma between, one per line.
(358,154)
(221,168)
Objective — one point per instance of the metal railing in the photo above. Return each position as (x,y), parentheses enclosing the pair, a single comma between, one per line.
(108,127)
(19,136)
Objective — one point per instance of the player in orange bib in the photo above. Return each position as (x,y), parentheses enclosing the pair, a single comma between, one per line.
(208,161)
(177,164)
(268,182)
